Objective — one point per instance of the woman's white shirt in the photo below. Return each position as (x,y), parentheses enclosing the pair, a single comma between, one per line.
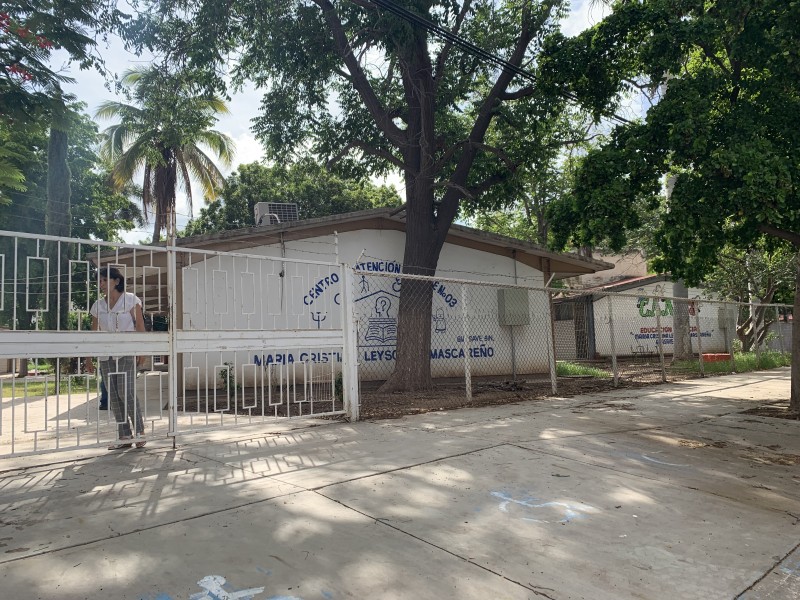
(118,317)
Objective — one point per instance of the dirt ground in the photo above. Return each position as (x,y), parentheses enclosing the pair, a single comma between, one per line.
(447,396)
(451,394)
(777,410)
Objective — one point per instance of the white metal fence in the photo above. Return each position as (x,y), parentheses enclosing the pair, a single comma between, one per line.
(239,338)
(233,339)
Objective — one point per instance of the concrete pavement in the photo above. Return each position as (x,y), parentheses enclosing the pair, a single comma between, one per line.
(661,492)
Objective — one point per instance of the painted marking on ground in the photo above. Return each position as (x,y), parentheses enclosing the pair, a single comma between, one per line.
(213,586)
(661,462)
(570,510)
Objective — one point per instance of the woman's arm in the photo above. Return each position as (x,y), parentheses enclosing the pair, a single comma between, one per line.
(138,318)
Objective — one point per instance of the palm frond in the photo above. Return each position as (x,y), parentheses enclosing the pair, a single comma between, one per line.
(129,162)
(220,143)
(111,109)
(203,169)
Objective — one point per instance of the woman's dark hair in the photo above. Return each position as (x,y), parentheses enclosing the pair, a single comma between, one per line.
(112,273)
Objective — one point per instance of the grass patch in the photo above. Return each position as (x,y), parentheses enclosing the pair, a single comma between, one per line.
(37,386)
(569,369)
(744,361)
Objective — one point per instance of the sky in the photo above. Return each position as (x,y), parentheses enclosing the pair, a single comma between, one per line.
(91,88)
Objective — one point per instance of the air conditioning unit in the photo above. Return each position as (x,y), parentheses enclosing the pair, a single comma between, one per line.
(273,213)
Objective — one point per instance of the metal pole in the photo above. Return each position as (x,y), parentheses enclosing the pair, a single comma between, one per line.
(659,340)
(513,340)
(614,368)
(172,283)
(699,336)
(728,313)
(465,344)
(350,350)
(551,352)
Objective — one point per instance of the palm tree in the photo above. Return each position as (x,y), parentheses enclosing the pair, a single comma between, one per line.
(161,133)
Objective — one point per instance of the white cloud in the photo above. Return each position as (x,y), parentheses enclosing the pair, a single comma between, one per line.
(248,150)
(584,14)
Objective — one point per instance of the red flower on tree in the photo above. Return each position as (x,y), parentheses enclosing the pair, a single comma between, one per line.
(20,72)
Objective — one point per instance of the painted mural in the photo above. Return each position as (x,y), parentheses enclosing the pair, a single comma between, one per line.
(636,322)
(224,293)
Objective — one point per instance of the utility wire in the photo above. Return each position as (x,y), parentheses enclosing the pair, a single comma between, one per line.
(468,46)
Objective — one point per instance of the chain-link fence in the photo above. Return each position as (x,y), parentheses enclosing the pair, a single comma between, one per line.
(651,338)
(483,342)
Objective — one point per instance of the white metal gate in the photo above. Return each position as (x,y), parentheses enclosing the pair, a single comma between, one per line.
(233,339)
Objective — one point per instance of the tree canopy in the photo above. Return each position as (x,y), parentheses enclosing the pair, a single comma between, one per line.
(316,191)
(373,90)
(724,128)
(31,32)
(98,210)
(163,133)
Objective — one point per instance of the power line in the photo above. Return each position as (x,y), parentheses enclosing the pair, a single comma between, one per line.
(468,46)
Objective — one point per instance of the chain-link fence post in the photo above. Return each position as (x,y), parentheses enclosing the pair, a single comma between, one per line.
(699,337)
(466,345)
(172,385)
(350,342)
(613,342)
(659,338)
(551,349)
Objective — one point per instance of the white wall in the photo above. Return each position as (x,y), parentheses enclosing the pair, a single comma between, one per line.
(234,293)
(635,322)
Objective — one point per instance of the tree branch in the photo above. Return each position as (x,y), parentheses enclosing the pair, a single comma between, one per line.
(489,182)
(714,58)
(572,142)
(445,53)
(520,93)
(789,236)
(529,27)
(497,152)
(365,147)
(359,79)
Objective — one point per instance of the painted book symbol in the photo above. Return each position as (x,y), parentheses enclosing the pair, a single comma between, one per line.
(381,330)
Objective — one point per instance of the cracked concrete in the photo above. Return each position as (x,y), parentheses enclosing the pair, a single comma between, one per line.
(666,493)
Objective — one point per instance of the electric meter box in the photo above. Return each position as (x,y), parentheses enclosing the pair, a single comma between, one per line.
(513,307)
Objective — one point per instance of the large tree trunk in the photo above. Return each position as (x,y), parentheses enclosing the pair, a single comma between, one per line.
(426,227)
(412,370)
(157,228)
(753,318)
(427,221)
(166,182)
(57,223)
(794,402)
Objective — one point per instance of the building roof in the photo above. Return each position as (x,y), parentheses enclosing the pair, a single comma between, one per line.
(559,264)
(533,255)
(627,284)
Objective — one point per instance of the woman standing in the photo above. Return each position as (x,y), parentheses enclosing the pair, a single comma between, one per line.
(118,311)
